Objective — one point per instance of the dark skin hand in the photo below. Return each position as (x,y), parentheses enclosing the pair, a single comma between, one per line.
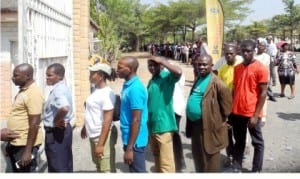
(260,103)
(134,130)
(8,135)
(59,118)
(34,121)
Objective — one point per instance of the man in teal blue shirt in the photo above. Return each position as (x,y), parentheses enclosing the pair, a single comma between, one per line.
(133,115)
(161,118)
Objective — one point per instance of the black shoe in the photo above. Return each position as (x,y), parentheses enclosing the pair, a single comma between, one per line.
(272,98)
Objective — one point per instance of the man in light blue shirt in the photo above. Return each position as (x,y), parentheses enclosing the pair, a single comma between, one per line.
(56,118)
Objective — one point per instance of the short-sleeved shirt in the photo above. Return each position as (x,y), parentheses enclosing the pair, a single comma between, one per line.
(225,73)
(59,97)
(95,105)
(29,101)
(160,102)
(134,97)
(246,81)
(264,58)
(194,109)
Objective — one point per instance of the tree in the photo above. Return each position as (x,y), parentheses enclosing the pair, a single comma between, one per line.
(235,11)
(257,29)
(109,40)
(292,16)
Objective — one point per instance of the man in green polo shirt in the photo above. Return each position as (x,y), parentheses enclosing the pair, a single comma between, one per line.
(161,119)
(208,106)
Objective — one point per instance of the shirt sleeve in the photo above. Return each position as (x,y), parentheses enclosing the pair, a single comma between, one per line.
(263,75)
(60,100)
(109,100)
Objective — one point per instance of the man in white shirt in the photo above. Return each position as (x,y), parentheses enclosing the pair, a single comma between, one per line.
(272,51)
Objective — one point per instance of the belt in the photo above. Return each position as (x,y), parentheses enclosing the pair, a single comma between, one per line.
(49,129)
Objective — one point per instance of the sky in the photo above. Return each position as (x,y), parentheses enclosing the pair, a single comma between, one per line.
(261,9)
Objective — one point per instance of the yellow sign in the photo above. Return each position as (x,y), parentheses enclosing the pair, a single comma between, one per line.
(215,28)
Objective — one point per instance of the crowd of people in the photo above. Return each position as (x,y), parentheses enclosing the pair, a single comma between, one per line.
(226,100)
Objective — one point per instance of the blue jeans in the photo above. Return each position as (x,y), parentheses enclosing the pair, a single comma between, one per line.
(139,160)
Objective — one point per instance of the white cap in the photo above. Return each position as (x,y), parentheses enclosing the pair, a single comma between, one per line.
(101,67)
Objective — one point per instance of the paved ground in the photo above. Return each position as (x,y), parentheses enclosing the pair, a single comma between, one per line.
(281,134)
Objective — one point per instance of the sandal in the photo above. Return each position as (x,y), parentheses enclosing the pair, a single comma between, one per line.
(291,97)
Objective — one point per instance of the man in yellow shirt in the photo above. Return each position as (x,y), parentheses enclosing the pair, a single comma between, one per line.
(225,73)
(25,120)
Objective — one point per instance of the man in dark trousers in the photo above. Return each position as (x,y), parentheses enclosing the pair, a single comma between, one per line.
(25,119)
(56,118)
(250,81)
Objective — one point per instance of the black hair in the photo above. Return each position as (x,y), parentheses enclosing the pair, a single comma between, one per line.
(58,68)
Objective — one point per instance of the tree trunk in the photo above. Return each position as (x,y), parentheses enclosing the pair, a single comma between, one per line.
(292,41)
(137,43)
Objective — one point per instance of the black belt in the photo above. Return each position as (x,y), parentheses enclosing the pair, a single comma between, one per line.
(49,129)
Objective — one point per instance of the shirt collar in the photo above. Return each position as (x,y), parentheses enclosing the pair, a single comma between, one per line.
(25,88)
(132,80)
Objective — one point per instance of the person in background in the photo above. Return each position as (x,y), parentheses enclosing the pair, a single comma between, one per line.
(250,81)
(265,59)
(133,114)
(225,73)
(25,119)
(201,49)
(208,107)
(287,68)
(222,61)
(57,115)
(98,125)
(179,109)
(272,51)
(162,122)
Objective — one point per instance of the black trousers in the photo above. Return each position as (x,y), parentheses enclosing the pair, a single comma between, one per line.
(240,125)
(58,148)
(15,154)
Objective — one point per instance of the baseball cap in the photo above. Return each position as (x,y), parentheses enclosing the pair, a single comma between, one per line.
(101,67)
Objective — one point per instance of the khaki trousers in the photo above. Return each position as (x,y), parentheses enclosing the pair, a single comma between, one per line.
(162,149)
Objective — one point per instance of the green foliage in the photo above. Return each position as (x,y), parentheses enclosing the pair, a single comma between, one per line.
(235,11)
(109,40)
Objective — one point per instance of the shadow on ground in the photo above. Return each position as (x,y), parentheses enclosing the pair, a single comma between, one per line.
(289,116)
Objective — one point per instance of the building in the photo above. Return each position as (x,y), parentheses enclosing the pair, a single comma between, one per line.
(42,32)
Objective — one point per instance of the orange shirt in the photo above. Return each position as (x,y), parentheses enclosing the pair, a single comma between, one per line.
(246,80)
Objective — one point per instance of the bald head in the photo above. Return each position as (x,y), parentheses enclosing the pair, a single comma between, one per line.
(25,68)
(131,62)
(127,67)
(23,75)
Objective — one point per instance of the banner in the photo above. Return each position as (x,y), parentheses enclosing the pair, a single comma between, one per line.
(215,28)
